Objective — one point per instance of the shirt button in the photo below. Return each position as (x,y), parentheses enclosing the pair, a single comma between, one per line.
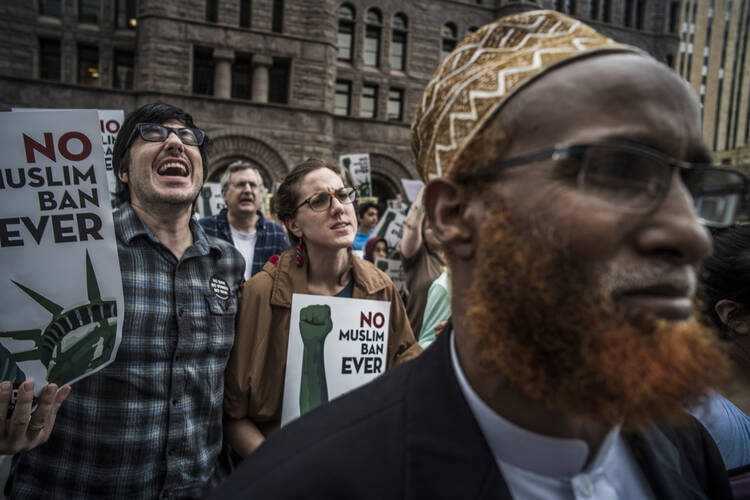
(585,486)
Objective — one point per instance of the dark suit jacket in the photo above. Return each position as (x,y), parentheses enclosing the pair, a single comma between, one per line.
(410,434)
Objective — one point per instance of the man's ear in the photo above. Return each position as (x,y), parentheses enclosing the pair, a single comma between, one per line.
(446,205)
(727,311)
(123,176)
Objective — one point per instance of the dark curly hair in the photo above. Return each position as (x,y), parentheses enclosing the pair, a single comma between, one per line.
(726,273)
(157,112)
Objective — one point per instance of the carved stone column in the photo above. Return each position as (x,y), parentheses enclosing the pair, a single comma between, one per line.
(261,63)
(223,73)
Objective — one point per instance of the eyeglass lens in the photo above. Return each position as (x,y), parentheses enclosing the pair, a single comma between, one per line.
(153,132)
(636,182)
(322,201)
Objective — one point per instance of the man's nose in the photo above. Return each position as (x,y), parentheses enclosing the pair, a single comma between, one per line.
(673,229)
(173,142)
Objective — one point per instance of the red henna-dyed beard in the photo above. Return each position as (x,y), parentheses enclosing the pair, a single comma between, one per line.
(544,322)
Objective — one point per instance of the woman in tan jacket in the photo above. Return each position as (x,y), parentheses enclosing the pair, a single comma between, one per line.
(319,213)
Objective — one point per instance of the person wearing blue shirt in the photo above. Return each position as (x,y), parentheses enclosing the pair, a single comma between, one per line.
(367,217)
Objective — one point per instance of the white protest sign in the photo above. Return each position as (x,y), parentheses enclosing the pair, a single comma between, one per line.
(110,121)
(394,269)
(210,201)
(345,345)
(358,166)
(62,308)
(391,227)
(412,188)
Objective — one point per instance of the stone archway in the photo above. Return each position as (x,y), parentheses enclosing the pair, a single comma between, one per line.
(230,146)
(388,172)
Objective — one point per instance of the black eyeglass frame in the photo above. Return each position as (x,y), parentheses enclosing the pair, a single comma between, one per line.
(351,191)
(199,134)
(565,151)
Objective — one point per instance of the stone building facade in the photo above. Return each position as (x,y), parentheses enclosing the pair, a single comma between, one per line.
(273,81)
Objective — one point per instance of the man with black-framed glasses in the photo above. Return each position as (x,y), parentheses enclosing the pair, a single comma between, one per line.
(568,183)
(149,424)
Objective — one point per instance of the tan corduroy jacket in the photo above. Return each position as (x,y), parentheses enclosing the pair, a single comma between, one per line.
(254,381)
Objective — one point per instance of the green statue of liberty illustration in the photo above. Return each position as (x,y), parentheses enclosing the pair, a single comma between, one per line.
(314,325)
(75,340)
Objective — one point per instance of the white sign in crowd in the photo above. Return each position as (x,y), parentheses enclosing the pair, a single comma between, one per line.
(335,345)
(62,307)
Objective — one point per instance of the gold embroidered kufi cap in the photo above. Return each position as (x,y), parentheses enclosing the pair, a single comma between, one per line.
(484,71)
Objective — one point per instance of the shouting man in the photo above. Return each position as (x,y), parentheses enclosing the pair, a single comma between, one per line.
(571,192)
(242,223)
(149,424)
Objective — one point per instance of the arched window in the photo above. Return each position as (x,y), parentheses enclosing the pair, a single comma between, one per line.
(449,35)
(346,32)
(398,42)
(374,21)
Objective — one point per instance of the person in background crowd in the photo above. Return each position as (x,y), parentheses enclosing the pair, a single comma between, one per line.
(421,260)
(437,310)
(376,248)
(149,424)
(242,223)
(318,210)
(367,216)
(567,184)
(725,277)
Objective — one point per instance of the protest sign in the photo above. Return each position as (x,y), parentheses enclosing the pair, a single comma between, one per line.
(391,227)
(394,270)
(412,188)
(110,121)
(211,201)
(61,313)
(335,345)
(358,166)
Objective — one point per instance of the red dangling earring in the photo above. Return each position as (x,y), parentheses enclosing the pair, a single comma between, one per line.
(299,254)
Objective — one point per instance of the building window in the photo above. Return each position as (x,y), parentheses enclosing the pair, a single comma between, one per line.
(594,9)
(203,71)
(49,59)
(212,11)
(674,17)
(372,38)
(571,7)
(242,76)
(471,29)
(398,42)
(607,11)
(670,61)
(640,14)
(50,8)
(245,13)
(559,5)
(278,81)
(346,32)
(628,21)
(88,11)
(125,14)
(395,104)
(88,65)
(368,107)
(342,98)
(448,33)
(277,17)
(124,67)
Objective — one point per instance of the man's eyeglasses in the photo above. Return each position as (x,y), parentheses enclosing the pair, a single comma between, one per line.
(635,179)
(320,202)
(153,132)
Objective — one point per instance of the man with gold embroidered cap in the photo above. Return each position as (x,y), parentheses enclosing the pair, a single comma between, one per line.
(570,189)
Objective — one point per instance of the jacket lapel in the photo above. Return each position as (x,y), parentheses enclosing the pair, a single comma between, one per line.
(447,456)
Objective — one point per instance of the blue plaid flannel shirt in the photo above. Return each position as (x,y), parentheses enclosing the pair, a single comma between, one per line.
(149,424)
(272,239)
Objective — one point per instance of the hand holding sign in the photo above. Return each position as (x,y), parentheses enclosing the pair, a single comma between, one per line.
(314,325)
